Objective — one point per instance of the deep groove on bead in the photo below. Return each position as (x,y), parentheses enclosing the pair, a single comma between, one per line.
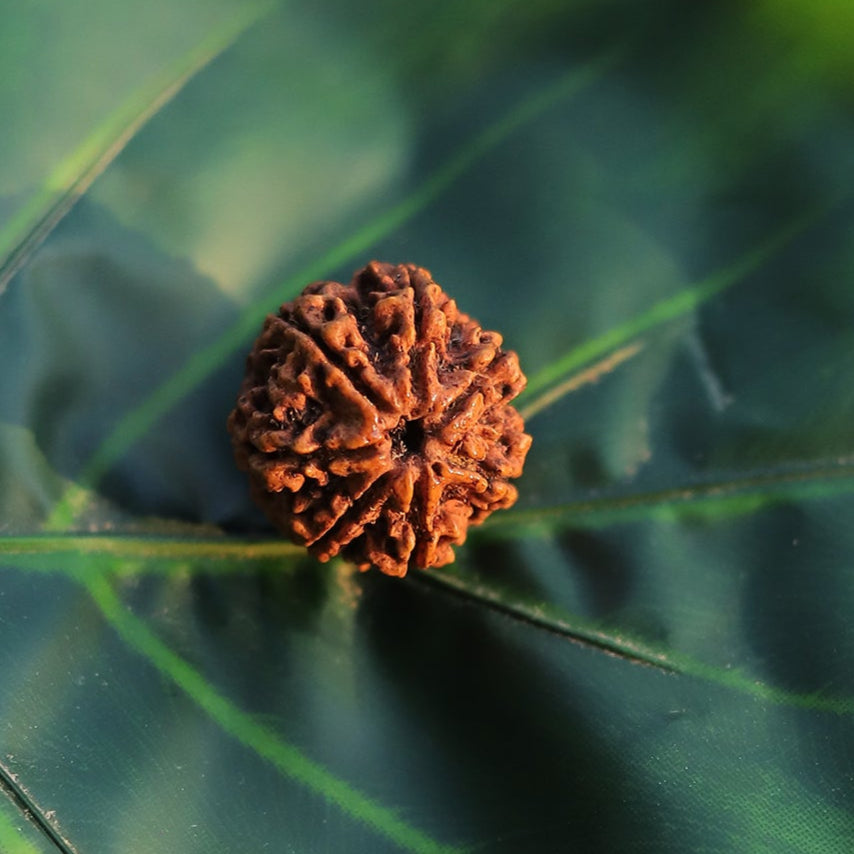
(374,420)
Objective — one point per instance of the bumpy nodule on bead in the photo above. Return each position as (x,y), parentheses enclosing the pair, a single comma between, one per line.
(374,420)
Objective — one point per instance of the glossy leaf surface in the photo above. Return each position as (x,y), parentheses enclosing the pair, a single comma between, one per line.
(653,650)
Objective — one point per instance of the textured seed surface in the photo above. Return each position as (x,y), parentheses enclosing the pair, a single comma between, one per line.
(374,420)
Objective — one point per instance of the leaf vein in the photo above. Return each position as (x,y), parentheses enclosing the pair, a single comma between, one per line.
(134,424)
(613,642)
(286,758)
(75,174)
(21,798)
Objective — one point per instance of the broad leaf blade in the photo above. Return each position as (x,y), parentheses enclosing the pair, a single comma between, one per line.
(652,651)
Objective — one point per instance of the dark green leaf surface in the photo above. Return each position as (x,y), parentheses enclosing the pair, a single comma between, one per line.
(653,650)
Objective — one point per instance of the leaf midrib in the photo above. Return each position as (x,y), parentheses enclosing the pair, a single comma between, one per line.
(752,484)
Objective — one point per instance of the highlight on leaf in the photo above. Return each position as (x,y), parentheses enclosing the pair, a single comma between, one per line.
(74,175)
(285,757)
(136,423)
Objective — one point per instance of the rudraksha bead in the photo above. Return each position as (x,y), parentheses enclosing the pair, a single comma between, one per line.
(374,420)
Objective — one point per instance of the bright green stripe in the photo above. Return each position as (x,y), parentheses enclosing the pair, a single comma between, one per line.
(73,176)
(613,640)
(609,638)
(258,738)
(137,422)
(11,839)
(149,548)
(738,680)
(736,497)
(679,304)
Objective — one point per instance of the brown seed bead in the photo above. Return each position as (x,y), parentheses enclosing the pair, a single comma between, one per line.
(374,420)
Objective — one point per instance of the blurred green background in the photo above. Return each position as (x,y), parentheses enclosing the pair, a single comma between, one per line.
(653,651)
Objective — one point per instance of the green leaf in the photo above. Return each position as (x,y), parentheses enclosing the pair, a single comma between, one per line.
(652,651)
(17,834)
(69,179)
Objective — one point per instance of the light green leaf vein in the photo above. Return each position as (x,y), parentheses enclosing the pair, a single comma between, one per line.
(146,548)
(255,736)
(137,422)
(72,177)
(588,376)
(613,641)
(681,303)
(735,496)
(50,554)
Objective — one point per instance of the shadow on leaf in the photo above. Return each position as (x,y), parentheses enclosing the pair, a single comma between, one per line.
(516,764)
(75,365)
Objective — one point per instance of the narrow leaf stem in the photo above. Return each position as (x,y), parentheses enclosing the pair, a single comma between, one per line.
(588,376)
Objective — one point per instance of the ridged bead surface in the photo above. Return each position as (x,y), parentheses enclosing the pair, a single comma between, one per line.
(374,420)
